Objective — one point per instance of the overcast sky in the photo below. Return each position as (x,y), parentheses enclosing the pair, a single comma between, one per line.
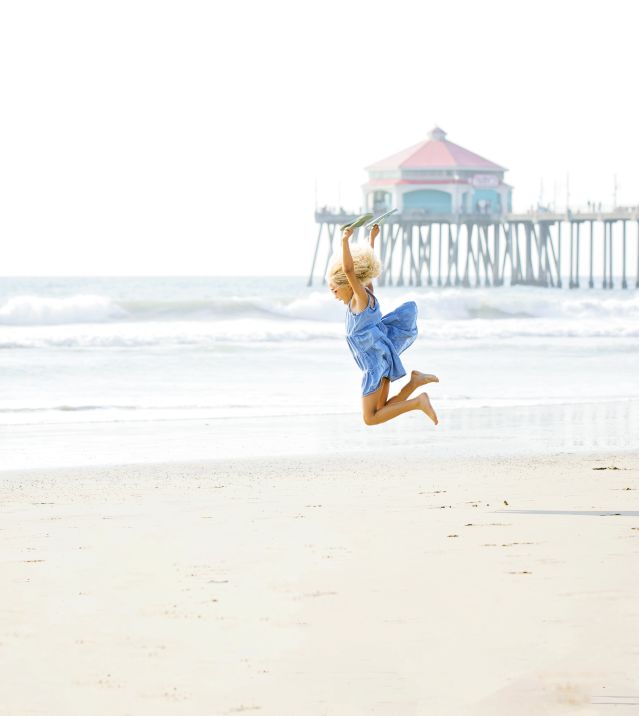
(184,137)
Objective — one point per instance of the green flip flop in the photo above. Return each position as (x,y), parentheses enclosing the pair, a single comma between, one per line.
(380,218)
(357,223)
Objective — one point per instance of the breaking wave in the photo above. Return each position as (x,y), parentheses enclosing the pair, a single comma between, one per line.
(87,320)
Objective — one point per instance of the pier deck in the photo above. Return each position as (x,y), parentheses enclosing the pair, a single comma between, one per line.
(573,248)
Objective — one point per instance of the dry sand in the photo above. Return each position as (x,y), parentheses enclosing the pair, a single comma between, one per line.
(310,586)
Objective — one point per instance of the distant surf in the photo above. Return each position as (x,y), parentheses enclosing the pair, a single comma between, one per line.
(98,320)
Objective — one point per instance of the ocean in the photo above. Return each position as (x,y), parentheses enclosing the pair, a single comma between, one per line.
(115,370)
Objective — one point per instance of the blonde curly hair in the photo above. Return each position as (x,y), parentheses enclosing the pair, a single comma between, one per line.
(367,266)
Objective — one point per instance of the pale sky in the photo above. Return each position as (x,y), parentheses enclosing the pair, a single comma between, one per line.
(185,137)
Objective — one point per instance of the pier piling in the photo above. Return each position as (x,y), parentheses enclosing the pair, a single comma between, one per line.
(472,250)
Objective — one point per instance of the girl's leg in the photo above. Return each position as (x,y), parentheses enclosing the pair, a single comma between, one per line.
(416,379)
(374,414)
(382,393)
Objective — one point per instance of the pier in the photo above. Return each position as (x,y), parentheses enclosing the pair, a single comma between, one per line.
(455,226)
(573,249)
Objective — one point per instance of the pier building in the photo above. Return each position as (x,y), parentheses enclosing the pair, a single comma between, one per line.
(437,176)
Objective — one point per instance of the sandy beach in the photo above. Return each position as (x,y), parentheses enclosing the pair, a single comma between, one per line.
(340,586)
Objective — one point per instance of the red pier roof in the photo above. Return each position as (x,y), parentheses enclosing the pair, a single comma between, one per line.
(435,153)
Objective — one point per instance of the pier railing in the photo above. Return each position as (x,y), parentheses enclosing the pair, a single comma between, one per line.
(540,248)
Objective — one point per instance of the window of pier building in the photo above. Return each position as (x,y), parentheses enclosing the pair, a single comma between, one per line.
(428,174)
(432,201)
(482,201)
(379,201)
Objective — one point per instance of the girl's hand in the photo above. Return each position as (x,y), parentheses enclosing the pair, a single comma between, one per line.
(347,233)
(374,232)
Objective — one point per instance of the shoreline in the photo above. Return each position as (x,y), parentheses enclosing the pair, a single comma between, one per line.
(350,584)
(464,432)
(338,461)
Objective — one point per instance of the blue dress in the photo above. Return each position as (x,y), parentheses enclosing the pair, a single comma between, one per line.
(376,341)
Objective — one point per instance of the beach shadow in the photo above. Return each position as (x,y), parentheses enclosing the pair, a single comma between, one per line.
(590,513)
(615,700)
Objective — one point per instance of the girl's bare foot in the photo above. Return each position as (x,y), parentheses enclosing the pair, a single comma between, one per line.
(424,404)
(418,378)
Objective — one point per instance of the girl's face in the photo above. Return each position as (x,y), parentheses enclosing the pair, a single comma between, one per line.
(341,293)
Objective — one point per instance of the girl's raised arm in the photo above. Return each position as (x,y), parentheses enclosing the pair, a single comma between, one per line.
(373,235)
(371,240)
(360,297)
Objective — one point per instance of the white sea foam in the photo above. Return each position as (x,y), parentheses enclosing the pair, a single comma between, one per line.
(39,310)
(523,302)
(84,320)
(194,334)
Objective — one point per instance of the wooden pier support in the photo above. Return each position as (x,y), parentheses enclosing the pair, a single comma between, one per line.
(624,283)
(479,250)
(591,282)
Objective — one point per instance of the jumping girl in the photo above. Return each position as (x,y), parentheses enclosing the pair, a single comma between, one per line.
(375,340)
